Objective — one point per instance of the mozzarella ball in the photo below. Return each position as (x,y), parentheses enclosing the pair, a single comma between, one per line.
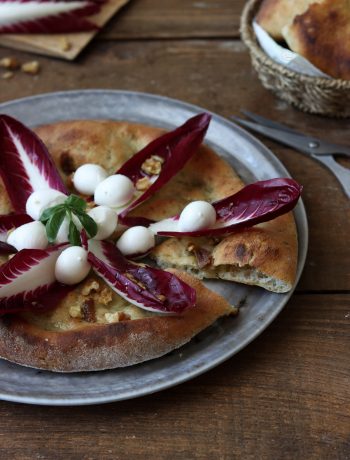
(106,220)
(43,199)
(62,234)
(29,236)
(87,177)
(197,215)
(72,265)
(136,240)
(115,191)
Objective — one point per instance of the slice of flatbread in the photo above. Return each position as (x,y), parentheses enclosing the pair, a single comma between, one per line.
(322,35)
(273,15)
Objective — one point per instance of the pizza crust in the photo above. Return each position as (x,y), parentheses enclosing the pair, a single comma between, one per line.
(61,343)
(108,346)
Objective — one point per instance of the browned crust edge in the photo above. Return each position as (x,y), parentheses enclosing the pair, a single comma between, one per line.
(109,346)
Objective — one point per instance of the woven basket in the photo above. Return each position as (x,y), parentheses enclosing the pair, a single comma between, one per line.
(310,94)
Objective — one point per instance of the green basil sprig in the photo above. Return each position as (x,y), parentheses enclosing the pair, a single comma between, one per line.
(53,218)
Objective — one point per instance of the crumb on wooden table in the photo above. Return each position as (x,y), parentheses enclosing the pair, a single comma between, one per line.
(31,67)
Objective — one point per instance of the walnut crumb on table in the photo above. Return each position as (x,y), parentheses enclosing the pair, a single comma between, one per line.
(7,75)
(31,67)
(10,63)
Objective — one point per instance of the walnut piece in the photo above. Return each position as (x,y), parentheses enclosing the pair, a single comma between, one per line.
(75,311)
(116,317)
(90,286)
(10,63)
(152,166)
(143,184)
(66,45)
(32,67)
(7,75)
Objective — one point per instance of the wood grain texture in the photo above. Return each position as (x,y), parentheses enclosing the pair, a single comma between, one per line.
(154,19)
(284,397)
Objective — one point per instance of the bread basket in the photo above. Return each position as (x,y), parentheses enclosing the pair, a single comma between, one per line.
(323,96)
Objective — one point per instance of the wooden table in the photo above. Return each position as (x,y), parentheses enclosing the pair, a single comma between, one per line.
(285,396)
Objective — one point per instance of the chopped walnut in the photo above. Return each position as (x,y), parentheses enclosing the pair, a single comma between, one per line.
(32,67)
(143,184)
(116,317)
(92,285)
(190,247)
(75,311)
(161,297)
(66,45)
(7,75)
(105,296)
(152,166)
(9,63)
(123,316)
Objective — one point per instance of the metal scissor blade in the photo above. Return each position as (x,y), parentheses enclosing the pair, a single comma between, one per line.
(296,141)
(269,123)
(311,145)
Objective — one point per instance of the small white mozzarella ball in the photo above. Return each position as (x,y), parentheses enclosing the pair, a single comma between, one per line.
(43,199)
(87,177)
(106,220)
(29,236)
(72,265)
(197,215)
(114,191)
(62,234)
(136,240)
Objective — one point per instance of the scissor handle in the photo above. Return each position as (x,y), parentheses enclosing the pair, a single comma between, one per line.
(341,173)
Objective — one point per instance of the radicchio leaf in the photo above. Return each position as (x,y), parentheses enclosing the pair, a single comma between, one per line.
(11,221)
(47,16)
(27,277)
(174,148)
(6,248)
(25,163)
(148,288)
(254,204)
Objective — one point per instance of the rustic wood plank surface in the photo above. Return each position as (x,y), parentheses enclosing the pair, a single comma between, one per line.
(285,396)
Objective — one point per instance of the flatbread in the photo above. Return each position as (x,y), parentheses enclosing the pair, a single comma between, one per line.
(116,334)
(71,338)
(273,15)
(322,35)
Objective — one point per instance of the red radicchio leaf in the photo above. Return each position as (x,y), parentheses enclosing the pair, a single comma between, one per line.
(175,148)
(254,204)
(27,278)
(47,16)
(25,163)
(6,248)
(148,288)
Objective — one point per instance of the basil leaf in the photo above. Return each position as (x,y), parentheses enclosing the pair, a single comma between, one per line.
(88,223)
(54,223)
(73,234)
(48,213)
(76,203)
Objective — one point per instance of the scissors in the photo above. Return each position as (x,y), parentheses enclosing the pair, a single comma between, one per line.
(318,149)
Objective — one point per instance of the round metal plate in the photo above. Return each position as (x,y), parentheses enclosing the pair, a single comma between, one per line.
(252,160)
